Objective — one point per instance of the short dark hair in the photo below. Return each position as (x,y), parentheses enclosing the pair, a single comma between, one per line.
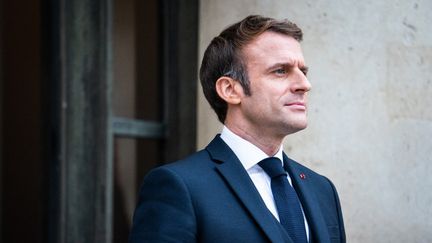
(223,56)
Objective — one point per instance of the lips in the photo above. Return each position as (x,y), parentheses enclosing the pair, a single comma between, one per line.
(297,105)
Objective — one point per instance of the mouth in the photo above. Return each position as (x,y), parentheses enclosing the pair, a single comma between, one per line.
(298,105)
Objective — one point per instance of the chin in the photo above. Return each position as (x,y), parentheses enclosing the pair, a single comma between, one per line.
(295,127)
(300,127)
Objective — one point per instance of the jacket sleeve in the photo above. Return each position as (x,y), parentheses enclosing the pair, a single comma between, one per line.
(164,212)
(339,213)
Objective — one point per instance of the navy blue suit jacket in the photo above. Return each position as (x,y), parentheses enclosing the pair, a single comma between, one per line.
(209,197)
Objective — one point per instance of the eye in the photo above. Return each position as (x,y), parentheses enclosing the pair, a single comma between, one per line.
(280,71)
(304,70)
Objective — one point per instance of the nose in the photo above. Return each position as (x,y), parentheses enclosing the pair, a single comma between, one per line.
(301,84)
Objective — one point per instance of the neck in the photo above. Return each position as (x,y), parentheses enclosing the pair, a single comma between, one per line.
(258,137)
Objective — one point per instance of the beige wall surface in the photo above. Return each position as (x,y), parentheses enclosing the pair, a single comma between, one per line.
(370,115)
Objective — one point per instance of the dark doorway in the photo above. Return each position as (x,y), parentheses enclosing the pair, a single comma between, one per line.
(22,114)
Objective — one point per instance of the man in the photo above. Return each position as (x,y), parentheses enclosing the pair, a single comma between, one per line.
(254,76)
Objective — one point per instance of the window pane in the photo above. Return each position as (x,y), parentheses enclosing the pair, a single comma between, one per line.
(133,158)
(137,87)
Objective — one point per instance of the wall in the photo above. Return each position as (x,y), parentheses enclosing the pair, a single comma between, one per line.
(370,116)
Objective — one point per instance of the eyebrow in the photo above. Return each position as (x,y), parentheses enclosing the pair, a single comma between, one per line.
(303,68)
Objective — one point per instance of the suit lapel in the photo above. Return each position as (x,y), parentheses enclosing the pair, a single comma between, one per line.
(309,202)
(237,178)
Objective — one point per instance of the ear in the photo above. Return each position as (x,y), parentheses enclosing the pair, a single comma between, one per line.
(229,90)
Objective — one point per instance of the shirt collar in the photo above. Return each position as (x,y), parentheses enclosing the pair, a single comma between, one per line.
(248,154)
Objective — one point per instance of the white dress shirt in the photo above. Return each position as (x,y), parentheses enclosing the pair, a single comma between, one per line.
(249,156)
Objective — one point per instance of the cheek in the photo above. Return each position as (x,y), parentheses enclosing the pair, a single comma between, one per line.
(285,86)
(269,92)
(270,87)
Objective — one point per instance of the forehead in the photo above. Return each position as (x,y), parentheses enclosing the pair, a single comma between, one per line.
(271,47)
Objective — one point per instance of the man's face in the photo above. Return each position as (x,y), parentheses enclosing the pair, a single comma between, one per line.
(277,75)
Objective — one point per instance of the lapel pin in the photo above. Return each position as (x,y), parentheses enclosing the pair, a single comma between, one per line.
(302,176)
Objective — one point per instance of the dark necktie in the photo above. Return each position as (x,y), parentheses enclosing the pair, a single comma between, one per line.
(287,202)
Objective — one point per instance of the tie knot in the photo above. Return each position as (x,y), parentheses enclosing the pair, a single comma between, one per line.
(272,166)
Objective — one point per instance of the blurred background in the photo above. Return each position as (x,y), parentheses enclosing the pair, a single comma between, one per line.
(94,93)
